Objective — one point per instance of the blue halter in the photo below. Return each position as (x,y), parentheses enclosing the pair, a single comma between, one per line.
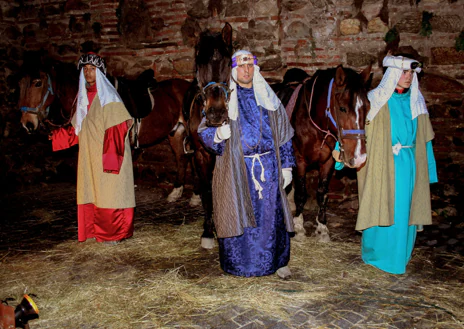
(223,85)
(35,110)
(328,114)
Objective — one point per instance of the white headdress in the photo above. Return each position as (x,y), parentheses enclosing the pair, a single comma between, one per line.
(380,95)
(264,94)
(106,93)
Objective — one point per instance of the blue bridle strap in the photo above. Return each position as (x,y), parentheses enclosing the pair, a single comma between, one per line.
(219,85)
(327,110)
(328,114)
(36,109)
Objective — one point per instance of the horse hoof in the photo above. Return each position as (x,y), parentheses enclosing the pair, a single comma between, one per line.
(207,243)
(284,273)
(175,194)
(299,237)
(195,201)
(322,233)
(298,223)
(291,200)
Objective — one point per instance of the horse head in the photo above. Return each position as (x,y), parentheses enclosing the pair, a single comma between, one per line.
(36,95)
(47,95)
(350,107)
(213,57)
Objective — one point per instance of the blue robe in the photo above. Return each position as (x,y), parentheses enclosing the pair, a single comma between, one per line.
(389,248)
(263,249)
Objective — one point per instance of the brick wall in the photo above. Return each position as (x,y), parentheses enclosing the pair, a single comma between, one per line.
(160,34)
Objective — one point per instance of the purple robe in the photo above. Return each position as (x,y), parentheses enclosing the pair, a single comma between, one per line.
(263,249)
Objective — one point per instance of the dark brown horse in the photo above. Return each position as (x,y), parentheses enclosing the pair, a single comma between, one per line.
(330,107)
(208,97)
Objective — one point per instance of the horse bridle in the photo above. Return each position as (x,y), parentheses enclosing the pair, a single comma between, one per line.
(209,85)
(342,133)
(38,110)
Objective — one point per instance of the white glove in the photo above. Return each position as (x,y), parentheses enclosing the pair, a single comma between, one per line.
(287,175)
(222,133)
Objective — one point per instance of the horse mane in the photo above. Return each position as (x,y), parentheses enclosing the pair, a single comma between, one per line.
(352,77)
(207,44)
(210,49)
(294,75)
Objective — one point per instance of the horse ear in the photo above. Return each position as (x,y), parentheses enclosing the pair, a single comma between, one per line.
(340,76)
(366,76)
(227,34)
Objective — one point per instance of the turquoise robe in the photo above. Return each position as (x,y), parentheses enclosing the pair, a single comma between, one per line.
(389,248)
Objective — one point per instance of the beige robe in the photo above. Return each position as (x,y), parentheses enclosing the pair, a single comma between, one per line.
(376,180)
(104,190)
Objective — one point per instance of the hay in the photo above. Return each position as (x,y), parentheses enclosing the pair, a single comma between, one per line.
(161,278)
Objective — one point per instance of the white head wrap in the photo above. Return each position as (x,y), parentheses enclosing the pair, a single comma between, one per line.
(264,94)
(380,95)
(106,93)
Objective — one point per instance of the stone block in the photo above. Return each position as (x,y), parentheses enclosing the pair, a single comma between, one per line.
(184,65)
(271,64)
(292,5)
(266,8)
(56,29)
(198,10)
(237,9)
(446,56)
(376,25)
(360,59)
(298,30)
(447,23)
(409,23)
(12,33)
(350,26)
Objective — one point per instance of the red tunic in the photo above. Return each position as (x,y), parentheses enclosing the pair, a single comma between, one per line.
(104,224)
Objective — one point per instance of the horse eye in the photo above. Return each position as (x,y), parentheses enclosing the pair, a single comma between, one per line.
(38,84)
(343,109)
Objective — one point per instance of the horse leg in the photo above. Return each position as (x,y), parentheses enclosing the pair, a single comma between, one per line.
(300,199)
(325,173)
(204,166)
(176,140)
(195,200)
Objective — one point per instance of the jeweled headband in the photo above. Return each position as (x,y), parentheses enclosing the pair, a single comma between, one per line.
(92,59)
(244,59)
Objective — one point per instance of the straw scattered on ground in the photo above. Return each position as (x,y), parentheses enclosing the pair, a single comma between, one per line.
(161,278)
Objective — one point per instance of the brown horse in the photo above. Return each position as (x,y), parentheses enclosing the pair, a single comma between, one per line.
(47,94)
(329,107)
(47,97)
(158,109)
(208,97)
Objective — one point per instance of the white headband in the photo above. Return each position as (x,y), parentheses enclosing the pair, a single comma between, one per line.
(402,63)
(380,95)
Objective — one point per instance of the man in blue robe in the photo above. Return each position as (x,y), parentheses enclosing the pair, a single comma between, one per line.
(253,166)
(394,192)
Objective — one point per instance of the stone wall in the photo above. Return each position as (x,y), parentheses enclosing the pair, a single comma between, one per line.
(315,34)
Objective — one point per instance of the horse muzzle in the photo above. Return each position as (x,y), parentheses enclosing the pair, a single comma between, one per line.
(217,120)
(356,162)
(30,121)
